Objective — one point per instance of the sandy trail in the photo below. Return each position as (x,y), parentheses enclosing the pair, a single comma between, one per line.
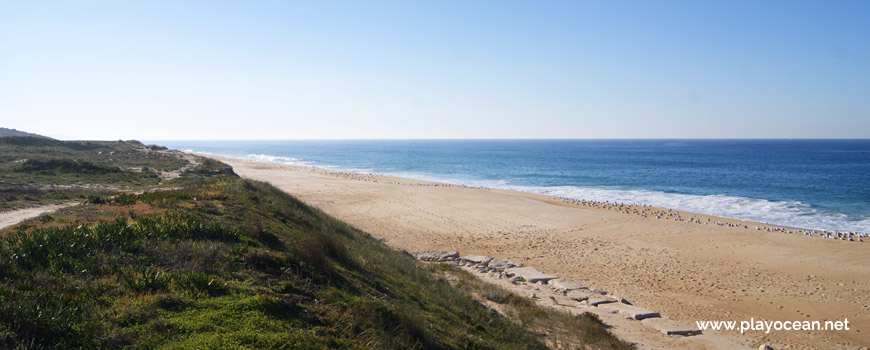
(685,271)
(9,218)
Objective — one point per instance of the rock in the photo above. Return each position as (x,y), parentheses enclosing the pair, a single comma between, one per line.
(530,274)
(501,264)
(670,327)
(436,255)
(564,285)
(475,260)
(765,347)
(632,311)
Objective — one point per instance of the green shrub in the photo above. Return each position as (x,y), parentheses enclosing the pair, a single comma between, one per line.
(265,262)
(94,199)
(124,199)
(52,166)
(170,302)
(199,284)
(147,279)
(43,317)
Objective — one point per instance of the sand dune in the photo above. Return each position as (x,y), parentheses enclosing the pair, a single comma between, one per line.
(686,271)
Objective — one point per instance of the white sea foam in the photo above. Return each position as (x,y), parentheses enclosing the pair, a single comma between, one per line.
(787,213)
(276,159)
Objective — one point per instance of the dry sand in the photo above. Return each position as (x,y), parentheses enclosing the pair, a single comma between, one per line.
(685,271)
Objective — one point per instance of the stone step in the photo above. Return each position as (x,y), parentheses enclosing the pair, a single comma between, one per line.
(530,274)
(671,327)
(436,255)
(598,299)
(563,285)
(581,294)
(637,313)
(502,264)
(478,260)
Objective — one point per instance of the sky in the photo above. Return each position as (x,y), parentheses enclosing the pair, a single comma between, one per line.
(212,70)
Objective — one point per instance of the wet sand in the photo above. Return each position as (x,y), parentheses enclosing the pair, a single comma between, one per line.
(686,271)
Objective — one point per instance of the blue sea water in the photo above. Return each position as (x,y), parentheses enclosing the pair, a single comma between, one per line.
(816,184)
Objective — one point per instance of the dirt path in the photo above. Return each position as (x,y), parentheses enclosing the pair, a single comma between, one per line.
(9,218)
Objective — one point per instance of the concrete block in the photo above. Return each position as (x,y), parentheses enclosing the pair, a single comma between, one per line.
(530,274)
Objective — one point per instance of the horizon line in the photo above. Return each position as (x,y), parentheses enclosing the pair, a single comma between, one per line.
(516,139)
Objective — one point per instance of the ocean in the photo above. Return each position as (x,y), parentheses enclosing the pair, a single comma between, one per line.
(813,184)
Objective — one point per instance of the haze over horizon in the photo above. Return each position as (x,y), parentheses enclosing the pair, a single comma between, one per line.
(395,70)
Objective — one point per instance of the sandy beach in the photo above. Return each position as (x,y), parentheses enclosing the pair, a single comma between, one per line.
(687,270)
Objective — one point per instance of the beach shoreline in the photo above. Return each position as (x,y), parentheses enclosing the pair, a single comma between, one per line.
(688,270)
(722,219)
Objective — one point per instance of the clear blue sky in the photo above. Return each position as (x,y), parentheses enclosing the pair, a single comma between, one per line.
(435,69)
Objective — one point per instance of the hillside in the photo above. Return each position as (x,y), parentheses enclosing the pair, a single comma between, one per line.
(12,132)
(209,260)
(36,171)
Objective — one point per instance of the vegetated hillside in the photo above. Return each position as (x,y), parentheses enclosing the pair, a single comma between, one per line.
(219,262)
(40,170)
(12,132)
(224,264)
